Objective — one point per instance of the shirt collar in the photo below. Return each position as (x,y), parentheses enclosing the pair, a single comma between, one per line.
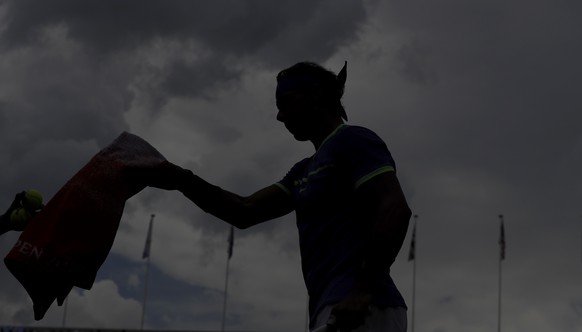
(332,134)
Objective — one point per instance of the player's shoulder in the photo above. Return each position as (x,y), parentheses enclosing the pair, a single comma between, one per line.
(300,165)
(355,132)
(357,129)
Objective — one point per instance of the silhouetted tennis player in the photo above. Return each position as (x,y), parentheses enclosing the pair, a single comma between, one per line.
(351,213)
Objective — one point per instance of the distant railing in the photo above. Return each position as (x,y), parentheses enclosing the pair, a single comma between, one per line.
(73,329)
(14,328)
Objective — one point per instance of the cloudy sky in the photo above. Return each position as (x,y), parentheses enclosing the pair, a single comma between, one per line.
(479,102)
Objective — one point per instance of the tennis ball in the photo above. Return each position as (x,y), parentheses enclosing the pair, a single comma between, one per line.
(19,218)
(32,200)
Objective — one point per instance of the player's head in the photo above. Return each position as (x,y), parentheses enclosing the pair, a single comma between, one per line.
(322,87)
(307,92)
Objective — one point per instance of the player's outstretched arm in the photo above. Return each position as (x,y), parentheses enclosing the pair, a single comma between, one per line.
(240,211)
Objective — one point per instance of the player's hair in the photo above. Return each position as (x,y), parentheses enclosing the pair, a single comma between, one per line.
(326,85)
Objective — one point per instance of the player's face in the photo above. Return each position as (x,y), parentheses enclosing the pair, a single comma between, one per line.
(295,111)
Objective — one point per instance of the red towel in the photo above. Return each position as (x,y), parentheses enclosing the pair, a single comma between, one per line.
(66,243)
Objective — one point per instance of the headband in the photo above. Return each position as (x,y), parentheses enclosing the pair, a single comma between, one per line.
(308,82)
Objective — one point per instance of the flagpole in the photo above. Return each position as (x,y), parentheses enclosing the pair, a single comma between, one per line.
(225,295)
(229,251)
(307,313)
(146,255)
(501,257)
(65,311)
(413,256)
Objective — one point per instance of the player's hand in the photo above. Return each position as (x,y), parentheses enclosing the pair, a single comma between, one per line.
(351,312)
(5,223)
(17,201)
(166,175)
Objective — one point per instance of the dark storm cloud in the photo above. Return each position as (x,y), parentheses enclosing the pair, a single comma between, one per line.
(110,26)
(414,63)
(185,79)
(198,47)
(228,27)
(506,76)
(78,93)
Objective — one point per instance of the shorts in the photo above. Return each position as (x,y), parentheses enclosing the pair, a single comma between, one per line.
(389,319)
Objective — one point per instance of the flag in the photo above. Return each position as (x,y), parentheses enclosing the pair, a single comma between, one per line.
(148,243)
(412,252)
(501,239)
(230,241)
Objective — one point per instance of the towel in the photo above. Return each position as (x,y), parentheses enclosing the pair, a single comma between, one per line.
(66,243)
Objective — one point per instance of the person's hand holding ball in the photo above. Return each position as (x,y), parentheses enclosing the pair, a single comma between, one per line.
(25,205)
